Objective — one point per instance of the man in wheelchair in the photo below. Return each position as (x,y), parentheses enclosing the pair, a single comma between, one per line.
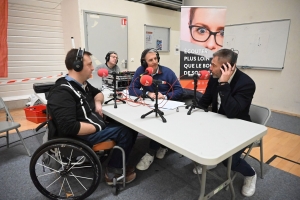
(75,107)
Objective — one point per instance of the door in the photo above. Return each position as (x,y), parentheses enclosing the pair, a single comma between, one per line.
(104,33)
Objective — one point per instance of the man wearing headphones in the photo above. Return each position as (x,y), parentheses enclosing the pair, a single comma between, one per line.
(111,60)
(172,90)
(76,110)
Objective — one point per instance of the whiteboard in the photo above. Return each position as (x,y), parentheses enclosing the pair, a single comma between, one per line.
(157,37)
(261,45)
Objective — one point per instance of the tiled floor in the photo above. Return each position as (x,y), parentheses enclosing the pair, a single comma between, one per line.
(282,146)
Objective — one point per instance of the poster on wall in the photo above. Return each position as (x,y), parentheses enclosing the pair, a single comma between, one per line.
(201,34)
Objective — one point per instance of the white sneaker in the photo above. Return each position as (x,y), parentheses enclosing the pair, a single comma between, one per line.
(161,152)
(249,185)
(198,169)
(145,162)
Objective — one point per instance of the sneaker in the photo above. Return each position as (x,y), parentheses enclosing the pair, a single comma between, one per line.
(198,169)
(145,162)
(161,152)
(249,185)
(130,176)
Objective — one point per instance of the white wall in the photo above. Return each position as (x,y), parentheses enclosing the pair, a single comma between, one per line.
(278,90)
(35,46)
(138,15)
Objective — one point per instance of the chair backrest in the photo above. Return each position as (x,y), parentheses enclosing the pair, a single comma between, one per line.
(259,114)
(3,106)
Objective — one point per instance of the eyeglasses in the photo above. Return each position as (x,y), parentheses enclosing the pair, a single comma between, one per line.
(114,57)
(201,34)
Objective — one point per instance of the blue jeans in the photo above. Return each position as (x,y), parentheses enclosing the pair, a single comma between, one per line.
(240,165)
(122,135)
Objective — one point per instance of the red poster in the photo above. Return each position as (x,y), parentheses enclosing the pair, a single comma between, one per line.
(201,34)
(3,37)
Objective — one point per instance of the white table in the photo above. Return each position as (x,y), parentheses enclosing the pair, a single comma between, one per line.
(204,137)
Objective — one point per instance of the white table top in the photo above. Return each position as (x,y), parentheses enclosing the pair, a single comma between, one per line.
(205,137)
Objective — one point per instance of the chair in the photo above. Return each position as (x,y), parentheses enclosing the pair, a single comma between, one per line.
(259,115)
(9,124)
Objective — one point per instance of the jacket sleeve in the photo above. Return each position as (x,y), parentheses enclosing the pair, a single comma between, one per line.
(63,111)
(234,102)
(135,85)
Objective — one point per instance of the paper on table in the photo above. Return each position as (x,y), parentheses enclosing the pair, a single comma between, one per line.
(169,105)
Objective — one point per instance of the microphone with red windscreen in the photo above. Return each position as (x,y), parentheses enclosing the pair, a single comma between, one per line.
(149,70)
(202,75)
(147,80)
(102,72)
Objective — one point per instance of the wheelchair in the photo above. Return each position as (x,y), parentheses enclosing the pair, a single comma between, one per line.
(67,168)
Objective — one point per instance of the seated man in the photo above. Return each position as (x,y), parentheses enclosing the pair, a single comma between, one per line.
(76,110)
(111,60)
(230,91)
(150,58)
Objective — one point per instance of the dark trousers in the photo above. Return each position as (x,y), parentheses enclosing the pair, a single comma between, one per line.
(122,135)
(153,147)
(240,165)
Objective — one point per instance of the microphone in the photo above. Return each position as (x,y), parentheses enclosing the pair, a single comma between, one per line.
(149,70)
(104,72)
(147,80)
(202,75)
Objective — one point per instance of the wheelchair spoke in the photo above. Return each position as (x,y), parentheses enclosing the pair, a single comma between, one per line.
(48,168)
(60,162)
(47,173)
(80,167)
(76,163)
(69,186)
(70,156)
(54,181)
(78,180)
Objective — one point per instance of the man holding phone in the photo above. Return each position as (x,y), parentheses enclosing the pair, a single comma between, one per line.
(230,91)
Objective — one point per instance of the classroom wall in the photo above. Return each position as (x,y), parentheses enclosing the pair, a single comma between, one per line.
(278,90)
(138,14)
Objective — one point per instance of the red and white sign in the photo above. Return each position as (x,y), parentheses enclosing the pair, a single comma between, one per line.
(124,21)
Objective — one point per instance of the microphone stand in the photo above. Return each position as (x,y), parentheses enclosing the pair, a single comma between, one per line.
(194,103)
(144,95)
(115,91)
(156,110)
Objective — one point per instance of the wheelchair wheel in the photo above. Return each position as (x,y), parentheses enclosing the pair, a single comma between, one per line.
(65,169)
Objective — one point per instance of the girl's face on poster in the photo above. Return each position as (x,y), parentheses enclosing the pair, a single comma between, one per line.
(207,28)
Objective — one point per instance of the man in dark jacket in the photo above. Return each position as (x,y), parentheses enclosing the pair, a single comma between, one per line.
(76,110)
(230,92)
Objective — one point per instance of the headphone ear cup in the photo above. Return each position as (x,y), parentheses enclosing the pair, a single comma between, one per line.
(144,63)
(77,65)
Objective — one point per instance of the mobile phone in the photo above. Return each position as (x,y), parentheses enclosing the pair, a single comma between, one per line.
(232,61)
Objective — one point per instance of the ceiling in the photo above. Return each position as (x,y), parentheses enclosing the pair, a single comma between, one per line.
(167,4)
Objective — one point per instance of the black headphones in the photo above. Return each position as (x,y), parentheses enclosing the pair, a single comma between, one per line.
(143,61)
(78,63)
(107,57)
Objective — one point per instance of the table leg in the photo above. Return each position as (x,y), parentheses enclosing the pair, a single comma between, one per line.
(203,182)
(229,178)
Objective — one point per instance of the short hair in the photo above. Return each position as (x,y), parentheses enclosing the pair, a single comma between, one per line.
(224,54)
(192,14)
(71,57)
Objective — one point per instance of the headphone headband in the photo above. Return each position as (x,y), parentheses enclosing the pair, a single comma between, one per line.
(144,53)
